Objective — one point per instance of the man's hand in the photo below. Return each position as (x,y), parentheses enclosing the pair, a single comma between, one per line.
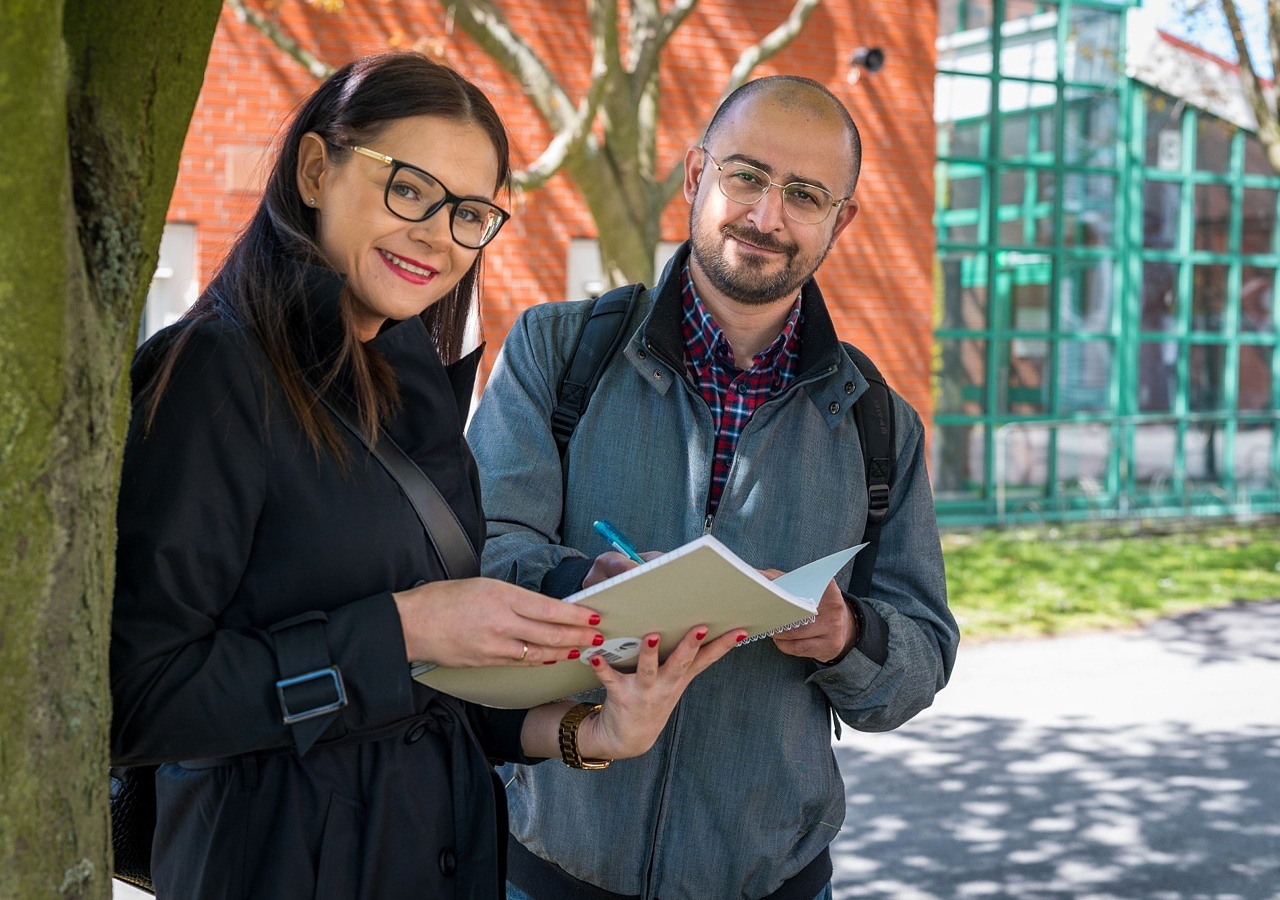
(613,563)
(828,637)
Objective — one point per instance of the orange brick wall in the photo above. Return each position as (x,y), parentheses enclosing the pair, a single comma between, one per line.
(878,280)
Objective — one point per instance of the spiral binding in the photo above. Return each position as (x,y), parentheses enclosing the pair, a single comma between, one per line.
(808,620)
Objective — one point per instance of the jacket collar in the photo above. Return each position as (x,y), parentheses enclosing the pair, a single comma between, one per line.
(406,345)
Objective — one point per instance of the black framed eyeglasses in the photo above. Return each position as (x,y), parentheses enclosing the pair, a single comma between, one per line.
(415,195)
(807,204)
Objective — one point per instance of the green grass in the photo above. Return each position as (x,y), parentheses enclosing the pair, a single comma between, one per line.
(1057,580)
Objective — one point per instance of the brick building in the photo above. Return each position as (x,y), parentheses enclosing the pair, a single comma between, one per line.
(879,280)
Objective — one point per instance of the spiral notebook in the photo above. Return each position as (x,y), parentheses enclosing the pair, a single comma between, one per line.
(702,582)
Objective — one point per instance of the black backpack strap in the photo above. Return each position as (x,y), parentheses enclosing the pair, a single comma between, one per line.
(873,413)
(600,338)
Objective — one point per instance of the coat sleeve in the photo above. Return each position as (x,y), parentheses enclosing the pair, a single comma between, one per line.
(907,606)
(185,683)
(520,470)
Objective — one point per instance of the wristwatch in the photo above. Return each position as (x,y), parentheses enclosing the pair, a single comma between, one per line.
(569,738)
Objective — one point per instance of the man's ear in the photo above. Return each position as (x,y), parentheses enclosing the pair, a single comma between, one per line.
(848,210)
(313,160)
(695,163)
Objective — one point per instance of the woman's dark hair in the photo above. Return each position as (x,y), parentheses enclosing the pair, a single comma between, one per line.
(261,282)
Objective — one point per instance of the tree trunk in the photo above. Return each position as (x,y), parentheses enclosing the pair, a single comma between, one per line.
(95,100)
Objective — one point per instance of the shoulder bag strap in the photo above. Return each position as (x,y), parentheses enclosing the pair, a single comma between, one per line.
(874,415)
(450,542)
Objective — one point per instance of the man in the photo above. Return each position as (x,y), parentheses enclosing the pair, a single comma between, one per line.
(727,411)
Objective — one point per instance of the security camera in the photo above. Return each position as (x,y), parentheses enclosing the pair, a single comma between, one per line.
(869,58)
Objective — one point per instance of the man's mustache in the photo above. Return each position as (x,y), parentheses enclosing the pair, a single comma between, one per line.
(759,238)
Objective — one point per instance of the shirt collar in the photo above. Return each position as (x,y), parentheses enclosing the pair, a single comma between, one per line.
(708,344)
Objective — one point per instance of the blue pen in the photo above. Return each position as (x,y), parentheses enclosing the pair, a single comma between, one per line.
(616,540)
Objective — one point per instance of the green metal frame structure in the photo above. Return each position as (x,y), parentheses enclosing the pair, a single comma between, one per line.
(1106,303)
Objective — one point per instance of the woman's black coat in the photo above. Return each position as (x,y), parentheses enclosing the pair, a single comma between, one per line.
(230,524)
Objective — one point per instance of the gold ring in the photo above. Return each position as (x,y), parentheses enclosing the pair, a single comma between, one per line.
(524,651)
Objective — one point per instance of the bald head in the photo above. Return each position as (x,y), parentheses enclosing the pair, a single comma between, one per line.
(804,95)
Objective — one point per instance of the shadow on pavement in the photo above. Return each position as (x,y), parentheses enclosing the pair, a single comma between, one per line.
(990,808)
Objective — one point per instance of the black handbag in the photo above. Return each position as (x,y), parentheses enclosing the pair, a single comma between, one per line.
(133,823)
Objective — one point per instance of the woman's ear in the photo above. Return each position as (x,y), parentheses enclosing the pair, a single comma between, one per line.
(313,159)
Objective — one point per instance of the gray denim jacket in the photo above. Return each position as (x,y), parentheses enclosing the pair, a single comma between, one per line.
(741,790)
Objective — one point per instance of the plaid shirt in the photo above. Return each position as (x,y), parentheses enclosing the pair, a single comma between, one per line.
(733,394)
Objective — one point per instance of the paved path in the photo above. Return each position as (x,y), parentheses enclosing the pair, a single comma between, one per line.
(1133,766)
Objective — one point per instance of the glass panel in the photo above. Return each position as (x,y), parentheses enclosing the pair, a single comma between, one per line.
(1255,157)
(1160,214)
(962,99)
(1253,388)
(1025,384)
(1084,296)
(1094,45)
(957,466)
(1084,452)
(1157,375)
(1089,204)
(1202,444)
(1018,96)
(1029,299)
(1213,217)
(965,190)
(1252,457)
(1208,298)
(1022,9)
(1046,125)
(964,293)
(1154,452)
(1257,298)
(960,203)
(1026,458)
(1013,229)
(1258,220)
(963,139)
(1204,388)
(1091,135)
(963,379)
(1084,376)
(1014,132)
(1029,48)
(1013,187)
(1164,133)
(1213,145)
(1159,296)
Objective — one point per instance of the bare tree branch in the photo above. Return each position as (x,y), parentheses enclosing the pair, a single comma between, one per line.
(770,45)
(276,35)
(646,62)
(568,141)
(488,27)
(1268,119)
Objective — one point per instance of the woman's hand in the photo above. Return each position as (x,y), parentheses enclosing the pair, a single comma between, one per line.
(485,622)
(638,705)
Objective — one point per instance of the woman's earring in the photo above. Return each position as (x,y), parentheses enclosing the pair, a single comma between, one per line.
(312,201)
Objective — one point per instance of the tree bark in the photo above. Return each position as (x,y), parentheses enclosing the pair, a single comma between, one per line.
(95,101)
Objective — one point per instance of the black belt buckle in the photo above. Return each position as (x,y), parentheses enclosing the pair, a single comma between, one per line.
(340,692)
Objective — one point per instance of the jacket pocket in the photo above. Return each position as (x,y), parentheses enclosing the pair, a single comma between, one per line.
(338,869)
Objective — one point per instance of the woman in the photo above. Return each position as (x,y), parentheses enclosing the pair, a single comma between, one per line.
(273,583)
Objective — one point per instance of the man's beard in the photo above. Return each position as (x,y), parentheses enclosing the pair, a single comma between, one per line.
(747,282)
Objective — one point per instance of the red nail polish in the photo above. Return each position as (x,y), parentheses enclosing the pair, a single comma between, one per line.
(700,634)
(594,620)
(595,661)
(740,638)
(549,662)
(653,641)
(574,653)
(597,640)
